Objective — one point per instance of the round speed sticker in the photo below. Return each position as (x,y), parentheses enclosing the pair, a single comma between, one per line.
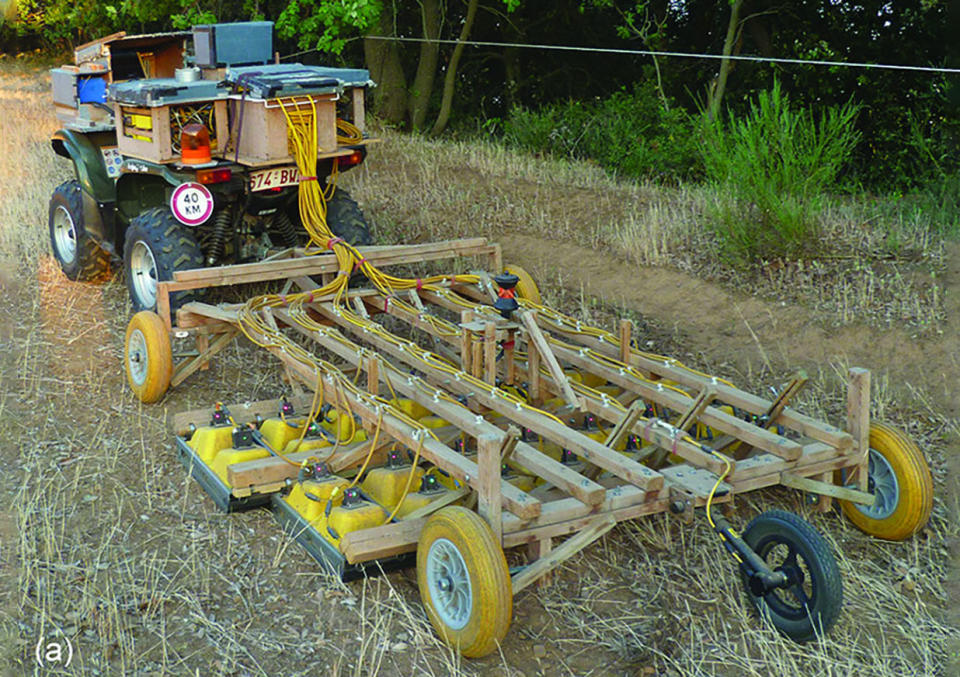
(191,203)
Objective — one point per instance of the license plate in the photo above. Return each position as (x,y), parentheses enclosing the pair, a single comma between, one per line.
(278,177)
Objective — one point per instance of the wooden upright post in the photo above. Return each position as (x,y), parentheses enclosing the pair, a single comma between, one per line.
(858,420)
(626,330)
(466,341)
(490,353)
(488,491)
(533,374)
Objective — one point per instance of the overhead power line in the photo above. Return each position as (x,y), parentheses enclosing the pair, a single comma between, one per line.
(683,55)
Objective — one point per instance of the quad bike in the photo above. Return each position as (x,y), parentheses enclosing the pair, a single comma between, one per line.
(181,154)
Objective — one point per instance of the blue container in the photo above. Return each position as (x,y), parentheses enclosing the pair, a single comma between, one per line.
(92,89)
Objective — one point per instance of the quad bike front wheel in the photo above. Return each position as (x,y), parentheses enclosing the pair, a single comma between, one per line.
(810,603)
(80,257)
(464,581)
(155,246)
(147,356)
(899,479)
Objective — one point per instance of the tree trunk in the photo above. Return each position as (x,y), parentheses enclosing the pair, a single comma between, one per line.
(383,60)
(725,64)
(427,65)
(450,80)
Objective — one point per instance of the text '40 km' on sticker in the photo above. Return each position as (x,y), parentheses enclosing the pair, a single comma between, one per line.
(191,203)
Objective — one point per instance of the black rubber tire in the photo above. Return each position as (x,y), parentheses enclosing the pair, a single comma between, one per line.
(173,247)
(786,542)
(346,220)
(88,262)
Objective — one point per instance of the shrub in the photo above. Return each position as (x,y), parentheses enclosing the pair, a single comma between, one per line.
(771,168)
(631,133)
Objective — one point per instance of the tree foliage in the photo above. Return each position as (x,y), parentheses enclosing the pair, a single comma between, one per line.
(909,125)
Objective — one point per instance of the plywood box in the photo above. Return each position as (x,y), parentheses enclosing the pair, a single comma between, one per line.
(146,132)
(259,128)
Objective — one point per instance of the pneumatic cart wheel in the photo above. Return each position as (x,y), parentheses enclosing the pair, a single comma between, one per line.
(464,581)
(811,602)
(147,356)
(899,479)
(526,288)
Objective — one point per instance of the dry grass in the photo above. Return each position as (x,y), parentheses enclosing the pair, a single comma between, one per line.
(107,542)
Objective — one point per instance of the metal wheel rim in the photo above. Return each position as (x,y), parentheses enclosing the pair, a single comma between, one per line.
(137,357)
(449,584)
(884,487)
(143,274)
(795,601)
(64,235)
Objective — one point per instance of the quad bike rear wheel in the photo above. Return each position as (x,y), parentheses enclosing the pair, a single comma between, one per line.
(147,356)
(899,478)
(155,246)
(346,220)
(464,581)
(80,257)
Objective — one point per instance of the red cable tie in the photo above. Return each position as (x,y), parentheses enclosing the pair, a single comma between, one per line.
(646,429)
(386,302)
(419,284)
(310,298)
(332,241)
(304,179)
(508,345)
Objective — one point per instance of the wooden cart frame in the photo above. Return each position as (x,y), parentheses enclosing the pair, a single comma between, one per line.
(587,501)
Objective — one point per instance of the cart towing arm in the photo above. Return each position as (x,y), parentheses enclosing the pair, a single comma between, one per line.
(761,579)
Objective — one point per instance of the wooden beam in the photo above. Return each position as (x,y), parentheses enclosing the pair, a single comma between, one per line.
(323,263)
(794,481)
(188,367)
(668,368)
(195,310)
(597,528)
(394,423)
(541,422)
(388,540)
(830,463)
(450,496)
(272,469)
(653,392)
(701,402)
(658,432)
(552,471)
(620,430)
(536,337)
